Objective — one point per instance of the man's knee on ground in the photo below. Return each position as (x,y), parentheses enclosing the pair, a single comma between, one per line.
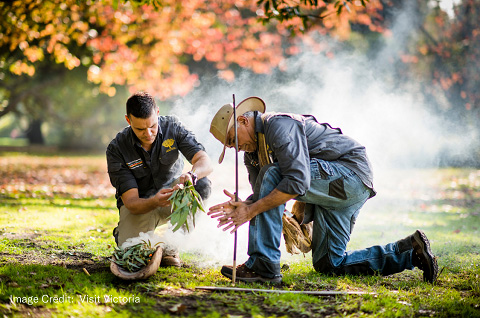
(324,266)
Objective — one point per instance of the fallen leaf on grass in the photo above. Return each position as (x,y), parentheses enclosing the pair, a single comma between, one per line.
(177,309)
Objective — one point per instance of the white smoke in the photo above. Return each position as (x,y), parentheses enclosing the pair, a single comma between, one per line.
(349,92)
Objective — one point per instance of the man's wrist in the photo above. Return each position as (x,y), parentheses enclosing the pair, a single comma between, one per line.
(194,177)
(253,211)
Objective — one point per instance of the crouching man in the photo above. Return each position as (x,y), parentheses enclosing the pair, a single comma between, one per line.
(144,166)
(290,156)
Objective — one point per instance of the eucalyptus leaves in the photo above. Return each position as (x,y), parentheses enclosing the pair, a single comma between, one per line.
(134,258)
(185,201)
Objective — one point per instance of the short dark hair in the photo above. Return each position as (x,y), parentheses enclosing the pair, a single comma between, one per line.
(141,105)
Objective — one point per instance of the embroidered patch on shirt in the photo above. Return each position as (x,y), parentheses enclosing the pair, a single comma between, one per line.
(135,163)
(168,144)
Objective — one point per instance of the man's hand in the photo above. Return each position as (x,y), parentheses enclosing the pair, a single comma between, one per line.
(230,213)
(233,214)
(221,209)
(163,195)
(184,177)
(138,205)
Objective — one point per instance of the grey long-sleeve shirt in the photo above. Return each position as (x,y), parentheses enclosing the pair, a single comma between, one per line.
(294,139)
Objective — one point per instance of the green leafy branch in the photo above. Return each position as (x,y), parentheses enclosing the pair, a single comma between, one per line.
(133,258)
(185,201)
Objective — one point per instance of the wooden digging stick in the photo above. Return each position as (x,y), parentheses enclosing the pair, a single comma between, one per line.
(234,270)
(280,291)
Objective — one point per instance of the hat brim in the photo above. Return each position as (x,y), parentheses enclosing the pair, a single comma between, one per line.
(248,104)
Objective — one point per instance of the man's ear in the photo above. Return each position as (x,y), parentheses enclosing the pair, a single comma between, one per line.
(242,120)
(128,120)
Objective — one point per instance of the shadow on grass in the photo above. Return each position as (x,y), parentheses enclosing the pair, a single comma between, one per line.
(50,203)
(42,289)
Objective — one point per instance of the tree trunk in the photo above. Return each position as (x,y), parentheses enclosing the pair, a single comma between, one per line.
(34,133)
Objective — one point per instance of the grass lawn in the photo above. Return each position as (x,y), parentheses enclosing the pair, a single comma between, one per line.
(57,215)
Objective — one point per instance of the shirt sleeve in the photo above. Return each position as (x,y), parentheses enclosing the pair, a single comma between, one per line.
(121,177)
(286,136)
(187,142)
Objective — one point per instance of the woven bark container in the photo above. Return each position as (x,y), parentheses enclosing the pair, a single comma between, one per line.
(144,273)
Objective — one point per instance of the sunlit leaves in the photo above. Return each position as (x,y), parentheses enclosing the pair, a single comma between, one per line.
(32,29)
(449,51)
(151,44)
(19,68)
(306,14)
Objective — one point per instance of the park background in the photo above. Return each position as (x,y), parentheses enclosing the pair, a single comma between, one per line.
(401,77)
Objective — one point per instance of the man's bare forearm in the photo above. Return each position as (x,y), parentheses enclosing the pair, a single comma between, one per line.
(141,206)
(272,200)
(201,164)
(137,205)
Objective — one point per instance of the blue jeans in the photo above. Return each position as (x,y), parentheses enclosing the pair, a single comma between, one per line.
(337,194)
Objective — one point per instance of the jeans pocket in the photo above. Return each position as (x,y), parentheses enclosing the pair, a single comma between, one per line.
(321,169)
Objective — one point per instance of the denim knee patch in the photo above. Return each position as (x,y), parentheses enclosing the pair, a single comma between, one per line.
(336,189)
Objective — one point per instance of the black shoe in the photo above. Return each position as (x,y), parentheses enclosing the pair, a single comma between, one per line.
(423,257)
(245,274)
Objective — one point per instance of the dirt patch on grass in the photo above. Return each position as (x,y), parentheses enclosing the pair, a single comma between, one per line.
(41,252)
(227,304)
(20,310)
(175,301)
(78,261)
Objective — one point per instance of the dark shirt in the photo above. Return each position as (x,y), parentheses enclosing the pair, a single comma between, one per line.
(293,140)
(131,166)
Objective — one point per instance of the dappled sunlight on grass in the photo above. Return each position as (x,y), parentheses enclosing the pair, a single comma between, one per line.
(41,217)
(55,239)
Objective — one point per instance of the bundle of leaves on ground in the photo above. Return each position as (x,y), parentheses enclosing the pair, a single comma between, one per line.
(185,202)
(134,258)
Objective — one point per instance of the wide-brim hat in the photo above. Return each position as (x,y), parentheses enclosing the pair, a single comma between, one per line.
(222,122)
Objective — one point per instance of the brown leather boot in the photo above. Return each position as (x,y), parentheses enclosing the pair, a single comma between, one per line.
(245,274)
(423,258)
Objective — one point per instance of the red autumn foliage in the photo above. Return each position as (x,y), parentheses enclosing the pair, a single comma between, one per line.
(153,48)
